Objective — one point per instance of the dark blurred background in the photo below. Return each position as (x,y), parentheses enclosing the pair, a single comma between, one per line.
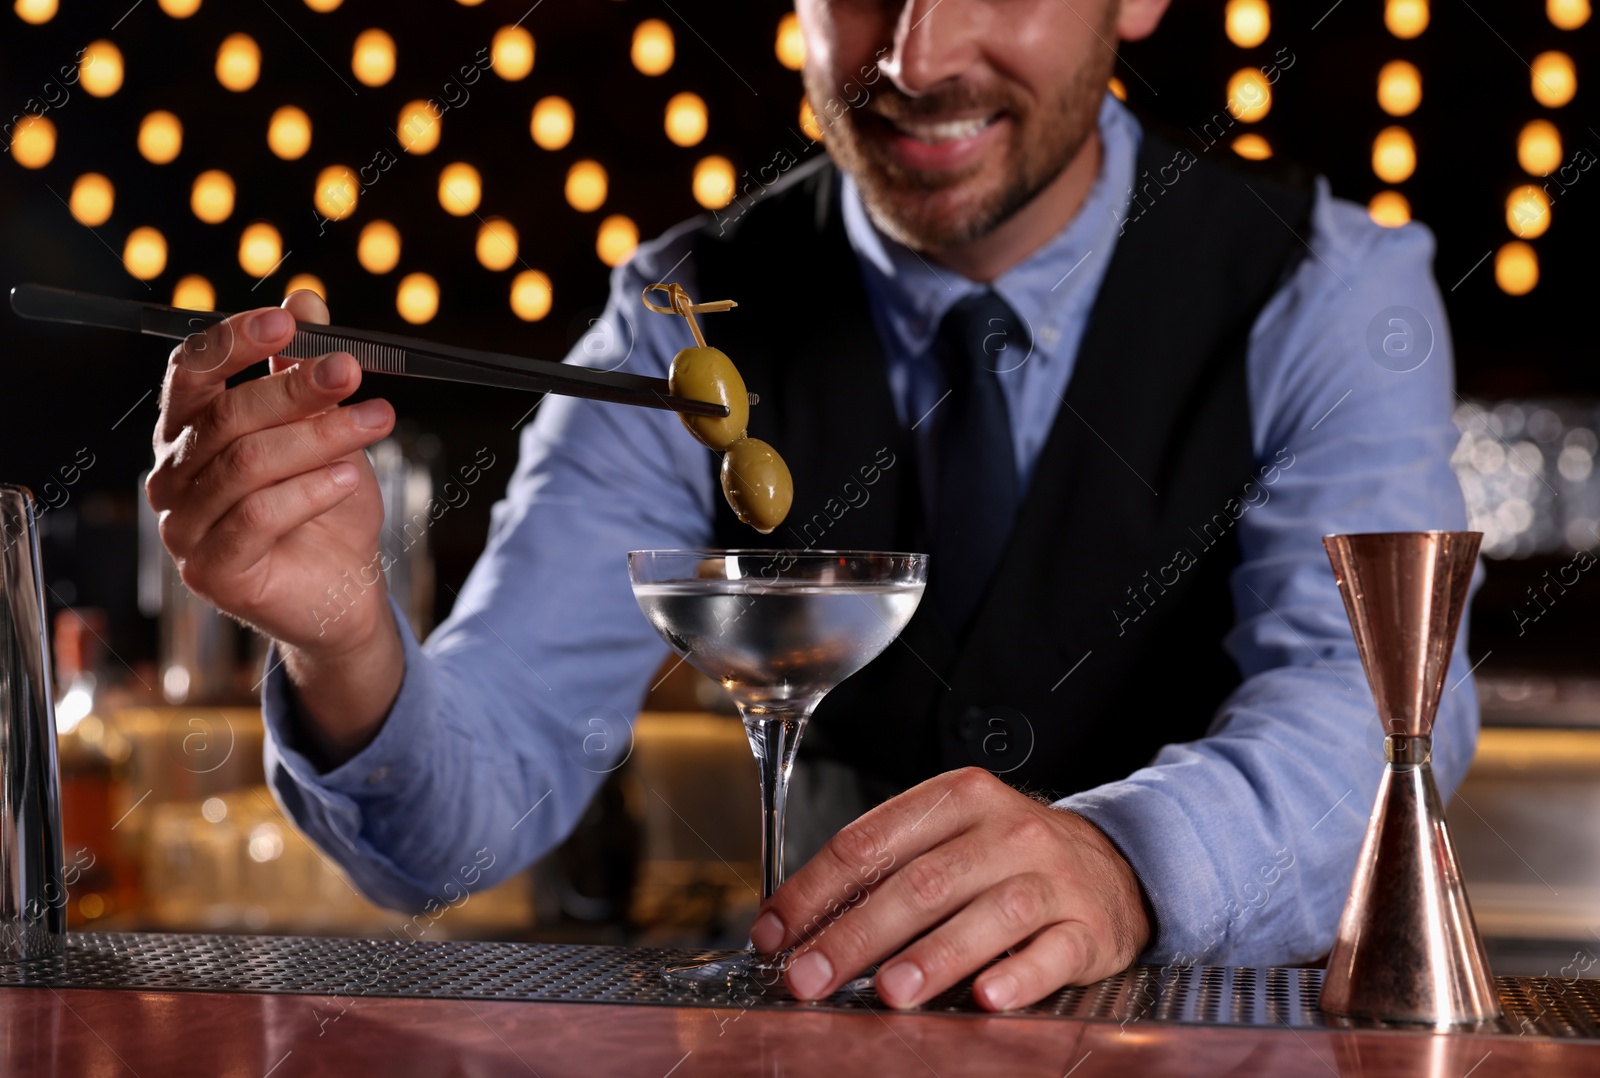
(1519,290)
(71,390)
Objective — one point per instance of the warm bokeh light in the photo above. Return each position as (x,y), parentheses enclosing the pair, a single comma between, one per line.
(289,133)
(1249,95)
(372,59)
(586,186)
(1567,14)
(323,6)
(36,12)
(617,240)
(260,249)
(791,45)
(160,137)
(1528,211)
(1555,80)
(530,295)
(238,62)
(551,126)
(1516,268)
(1406,18)
(194,293)
(336,192)
(1539,147)
(686,119)
(1389,209)
(1394,155)
(378,250)
(100,69)
(1252,147)
(652,47)
(808,121)
(145,253)
(713,182)
(1118,90)
(33,141)
(180,9)
(511,52)
(211,198)
(306,282)
(91,199)
(421,124)
(417,298)
(1248,22)
(497,243)
(1399,88)
(460,189)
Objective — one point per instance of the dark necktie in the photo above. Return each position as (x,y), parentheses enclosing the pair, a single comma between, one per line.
(977,490)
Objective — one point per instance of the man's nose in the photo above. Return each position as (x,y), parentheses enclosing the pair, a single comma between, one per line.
(934,41)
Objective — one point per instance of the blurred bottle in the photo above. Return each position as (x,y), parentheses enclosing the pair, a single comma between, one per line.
(403,467)
(200,645)
(101,877)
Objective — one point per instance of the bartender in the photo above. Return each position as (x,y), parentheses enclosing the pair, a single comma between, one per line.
(1118,391)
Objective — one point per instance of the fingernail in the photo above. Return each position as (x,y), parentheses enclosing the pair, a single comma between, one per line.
(767,933)
(370,415)
(999,991)
(899,984)
(270,325)
(332,372)
(344,473)
(810,975)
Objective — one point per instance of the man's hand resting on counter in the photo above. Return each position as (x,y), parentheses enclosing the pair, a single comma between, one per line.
(266,501)
(934,883)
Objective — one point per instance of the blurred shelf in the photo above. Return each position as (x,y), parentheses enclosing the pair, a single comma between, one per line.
(1530,699)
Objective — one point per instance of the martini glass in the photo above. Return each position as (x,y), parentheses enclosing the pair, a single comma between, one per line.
(777,629)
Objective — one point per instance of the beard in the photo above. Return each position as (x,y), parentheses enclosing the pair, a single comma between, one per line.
(929,210)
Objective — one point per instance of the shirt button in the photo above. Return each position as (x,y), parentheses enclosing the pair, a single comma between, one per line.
(377,775)
(1049,335)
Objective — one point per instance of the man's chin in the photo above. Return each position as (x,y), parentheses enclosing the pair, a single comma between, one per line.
(927,215)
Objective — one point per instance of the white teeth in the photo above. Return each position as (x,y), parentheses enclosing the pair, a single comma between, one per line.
(944,131)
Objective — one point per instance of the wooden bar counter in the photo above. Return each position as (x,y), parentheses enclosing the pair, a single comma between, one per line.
(46,1032)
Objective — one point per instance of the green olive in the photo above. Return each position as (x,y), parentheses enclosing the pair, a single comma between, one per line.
(706,374)
(756,482)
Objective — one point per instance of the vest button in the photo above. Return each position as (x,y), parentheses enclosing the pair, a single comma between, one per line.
(997,738)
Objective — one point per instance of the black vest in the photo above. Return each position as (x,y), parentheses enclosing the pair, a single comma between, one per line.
(1098,641)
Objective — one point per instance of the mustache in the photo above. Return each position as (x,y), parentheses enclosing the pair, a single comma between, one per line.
(893,104)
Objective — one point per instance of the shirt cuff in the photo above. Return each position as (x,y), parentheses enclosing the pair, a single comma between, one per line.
(1158,838)
(331,807)
(390,762)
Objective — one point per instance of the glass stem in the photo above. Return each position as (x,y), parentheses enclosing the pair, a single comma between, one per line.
(774,735)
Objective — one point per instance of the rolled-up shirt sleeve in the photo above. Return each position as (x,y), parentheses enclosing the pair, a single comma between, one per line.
(1246,840)
(518,705)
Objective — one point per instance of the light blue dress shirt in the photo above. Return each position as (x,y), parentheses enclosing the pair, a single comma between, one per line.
(1245,840)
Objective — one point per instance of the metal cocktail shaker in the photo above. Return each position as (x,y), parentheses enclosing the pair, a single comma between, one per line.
(33,898)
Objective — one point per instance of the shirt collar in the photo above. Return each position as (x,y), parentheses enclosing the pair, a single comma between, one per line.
(1044,289)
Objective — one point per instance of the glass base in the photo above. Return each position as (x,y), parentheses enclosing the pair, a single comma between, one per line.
(748,974)
(745,973)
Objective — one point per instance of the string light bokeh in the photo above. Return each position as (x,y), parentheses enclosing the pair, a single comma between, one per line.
(475,179)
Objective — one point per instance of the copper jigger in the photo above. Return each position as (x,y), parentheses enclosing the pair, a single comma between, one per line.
(1408,949)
